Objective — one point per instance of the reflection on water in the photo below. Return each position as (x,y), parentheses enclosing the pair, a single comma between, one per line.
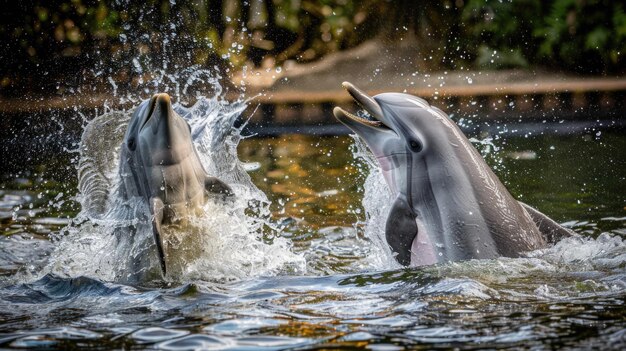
(309,178)
(571,295)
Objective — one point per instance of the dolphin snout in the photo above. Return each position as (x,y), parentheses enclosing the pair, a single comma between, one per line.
(164,133)
(364,100)
(161,116)
(160,104)
(163,100)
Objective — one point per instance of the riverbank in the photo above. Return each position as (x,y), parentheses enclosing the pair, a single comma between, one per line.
(304,94)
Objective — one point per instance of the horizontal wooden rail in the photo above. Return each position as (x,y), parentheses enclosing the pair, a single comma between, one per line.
(582,85)
(541,87)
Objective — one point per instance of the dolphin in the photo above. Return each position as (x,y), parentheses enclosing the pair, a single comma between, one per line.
(449,205)
(159,165)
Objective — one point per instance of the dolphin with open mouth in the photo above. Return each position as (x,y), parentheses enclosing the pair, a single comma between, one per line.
(449,205)
(159,164)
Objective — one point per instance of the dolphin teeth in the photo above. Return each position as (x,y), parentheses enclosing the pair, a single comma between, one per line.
(362,120)
(359,104)
(363,100)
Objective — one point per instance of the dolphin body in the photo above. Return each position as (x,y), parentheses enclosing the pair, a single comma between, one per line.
(159,164)
(449,205)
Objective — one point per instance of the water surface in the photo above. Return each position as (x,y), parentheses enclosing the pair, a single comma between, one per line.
(346,293)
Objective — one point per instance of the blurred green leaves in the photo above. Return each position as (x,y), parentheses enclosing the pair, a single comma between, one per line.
(46,37)
(585,35)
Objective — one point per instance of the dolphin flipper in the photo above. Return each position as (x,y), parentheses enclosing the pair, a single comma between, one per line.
(212,185)
(156,209)
(551,230)
(401,230)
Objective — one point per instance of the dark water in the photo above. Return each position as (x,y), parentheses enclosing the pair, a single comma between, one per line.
(571,295)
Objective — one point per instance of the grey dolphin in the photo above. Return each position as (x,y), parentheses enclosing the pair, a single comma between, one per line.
(448,205)
(159,164)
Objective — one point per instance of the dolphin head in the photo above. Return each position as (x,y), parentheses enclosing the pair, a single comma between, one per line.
(404,133)
(402,129)
(161,135)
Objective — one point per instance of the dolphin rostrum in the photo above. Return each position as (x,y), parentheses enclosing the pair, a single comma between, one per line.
(449,205)
(160,165)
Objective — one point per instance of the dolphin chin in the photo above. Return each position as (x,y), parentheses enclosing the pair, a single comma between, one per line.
(160,166)
(448,204)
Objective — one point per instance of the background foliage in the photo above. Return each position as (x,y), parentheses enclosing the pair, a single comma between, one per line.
(47,41)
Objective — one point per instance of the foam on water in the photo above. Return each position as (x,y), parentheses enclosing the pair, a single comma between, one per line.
(231,240)
(605,252)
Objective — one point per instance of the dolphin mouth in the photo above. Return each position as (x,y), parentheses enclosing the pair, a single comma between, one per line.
(162,102)
(151,107)
(364,101)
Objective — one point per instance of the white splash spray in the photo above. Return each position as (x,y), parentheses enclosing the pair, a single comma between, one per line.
(377,200)
(230,241)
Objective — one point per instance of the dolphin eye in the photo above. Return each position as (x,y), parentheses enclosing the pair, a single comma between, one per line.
(131,144)
(415,145)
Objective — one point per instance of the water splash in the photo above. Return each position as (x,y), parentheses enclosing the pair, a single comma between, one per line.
(230,241)
(377,200)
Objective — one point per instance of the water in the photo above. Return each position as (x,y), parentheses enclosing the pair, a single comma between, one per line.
(299,263)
